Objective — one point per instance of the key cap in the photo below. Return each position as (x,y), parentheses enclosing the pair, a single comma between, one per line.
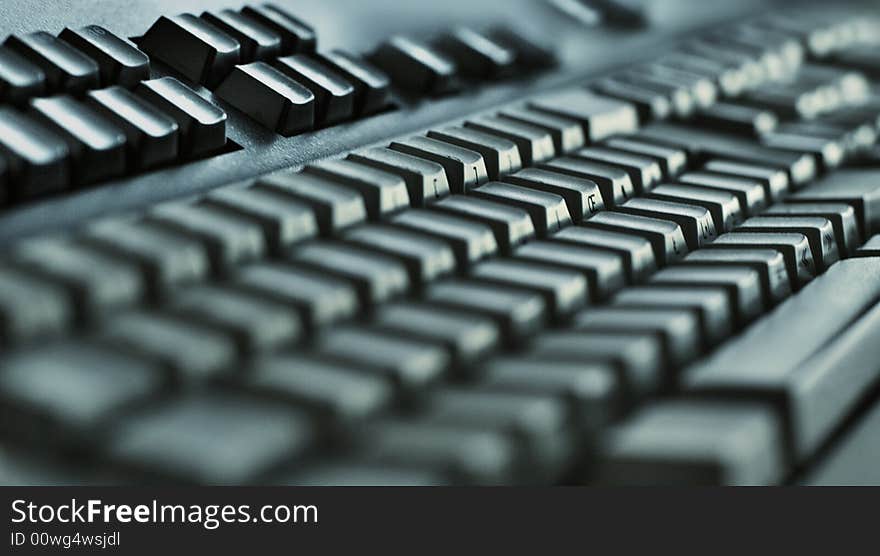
(774,180)
(849,461)
(814,370)
(702,89)
(582,196)
(471,241)
(795,247)
(258,42)
(769,263)
(604,268)
(376,277)
(731,80)
(666,237)
(37,157)
(517,311)
(384,193)
(743,285)
(211,438)
(564,291)
(320,299)
(335,393)
(672,161)
(476,54)
(643,171)
(614,182)
(547,210)
(270,97)
(425,257)
(119,61)
(567,133)
(680,98)
(30,308)
(857,187)
(690,442)
(650,104)
(296,35)
(372,87)
(750,193)
(334,96)
(253,323)
(416,66)
(710,304)
(20,79)
(201,52)
(335,206)
(499,154)
(511,225)
(72,392)
(637,253)
(96,283)
(284,221)
(97,147)
(228,238)
(191,352)
(425,180)
(468,336)
(737,118)
(696,222)
(202,124)
(600,116)
(465,168)
(724,206)
(66,69)
(534,143)
(151,137)
(817,229)
(829,153)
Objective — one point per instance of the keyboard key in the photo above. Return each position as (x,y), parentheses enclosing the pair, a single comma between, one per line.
(730,79)
(829,152)
(643,171)
(30,308)
(795,248)
(751,194)
(690,442)
(530,54)
(604,269)
(582,196)
(723,205)
(769,263)
(680,98)
(416,66)
(37,157)
(425,180)
(774,180)
(672,160)
(842,218)
(20,79)
(511,225)
(702,89)
(696,222)
(372,87)
(499,154)
(465,168)
(335,206)
(425,257)
(567,133)
(476,54)
(384,192)
(151,137)
(197,49)
(636,251)
(614,181)
(334,96)
(649,103)
(66,69)
(600,116)
(202,124)
(854,186)
(471,241)
(120,62)
(257,41)
(270,97)
(211,438)
(535,143)
(743,285)
(548,211)
(737,118)
(817,229)
(666,237)
(296,35)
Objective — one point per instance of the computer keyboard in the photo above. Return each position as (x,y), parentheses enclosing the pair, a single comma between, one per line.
(461,244)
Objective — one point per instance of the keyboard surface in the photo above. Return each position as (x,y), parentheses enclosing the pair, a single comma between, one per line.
(411,243)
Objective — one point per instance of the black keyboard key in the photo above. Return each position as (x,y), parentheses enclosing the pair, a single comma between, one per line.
(737,118)
(465,168)
(416,66)
(818,230)
(855,186)
(548,210)
(600,116)
(384,192)
(615,183)
(535,143)
(730,78)
(665,236)
(842,216)
(425,179)
(201,123)
(723,205)
(477,55)
(500,155)
(20,79)
(567,133)
(511,225)
(120,62)
(830,152)
(582,196)
(774,180)
(795,248)
(769,263)
(336,206)
(604,269)
(644,172)
(637,252)
(696,222)
(334,95)
(672,160)
(424,256)
(471,241)
(258,42)
(372,87)
(37,157)
(743,285)
(66,69)
(270,97)
(30,308)
(296,35)
(702,89)
(201,52)
(649,103)
(751,194)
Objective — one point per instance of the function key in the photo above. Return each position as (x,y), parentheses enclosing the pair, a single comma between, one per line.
(19,78)
(120,62)
(416,66)
(334,96)
(476,54)
(199,51)
(296,36)
(258,42)
(37,157)
(65,67)
(372,87)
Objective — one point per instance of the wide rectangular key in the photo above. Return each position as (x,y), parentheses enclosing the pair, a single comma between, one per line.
(37,157)
(769,263)
(201,123)
(815,370)
(66,69)
(477,54)
(194,47)
(696,222)
(723,205)
(270,97)
(465,168)
(424,256)
(30,307)
(795,248)
(614,181)
(258,42)
(751,194)
(383,192)
(774,180)
(583,196)
(649,103)
(321,300)
(672,160)
(416,66)
(372,87)
(500,155)
(334,95)
(120,62)
(605,269)
(97,147)
(20,79)
(296,35)
(665,236)
(376,277)
(855,186)
(208,437)
(743,285)
(471,241)
(548,211)
(637,252)
(469,337)
(842,216)
(535,143)
(742,119)
(567,133)
(643,171)
(425,179)
(697,443)
(601,117)
(519,312)
(152,137)
(817,229)
(511,225)
(335,206)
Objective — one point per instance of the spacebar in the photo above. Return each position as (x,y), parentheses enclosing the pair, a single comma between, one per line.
(814,357)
